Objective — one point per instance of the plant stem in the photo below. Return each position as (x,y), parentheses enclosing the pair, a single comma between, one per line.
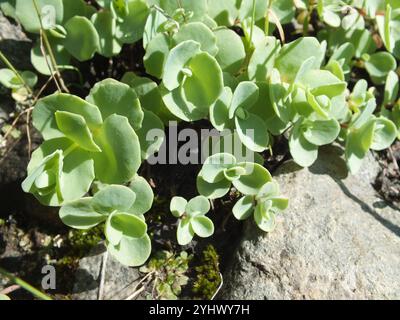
(24,285)
(49,49)
(10,66)
(266,28)
(253,18)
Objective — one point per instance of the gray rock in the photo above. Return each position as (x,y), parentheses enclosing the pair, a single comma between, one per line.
(14,44)
(337,240)
(119,281)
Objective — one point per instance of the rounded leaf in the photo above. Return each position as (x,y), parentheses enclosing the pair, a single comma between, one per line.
(214,166)
(82,39)
(51,11)
(80,214)
(199,32)
(321,132)
(114,97)
(105,25)
(43,115)
(144,195)
(255,177)
(244,208)
(206,83)
(384,135)
(253,132)
(197,206)
(265,220)
(202,226)
(303,152)
(120,157)
(75,128)
(132,252)
(231,52)
(244,97)
(130,29)
(379,65)
(212,190)
(178,58)
(184,233)
(178,206)
(114,197)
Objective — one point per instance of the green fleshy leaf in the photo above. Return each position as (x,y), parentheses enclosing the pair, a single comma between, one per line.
(75,128)
(214,166)
(82,39)
(293,54)
(123,224)
(202,226)
(150,122)
(253,132)
(44,178)
(322,82)
(144,196)
(105,25)
(77,8)
(244,208)
(113,97)
(131,28)
(153,26)
(231,53)
(244,97)
(199,32)
(178,58)
(358,143)
(156,55)
(178,206)
(379,65)
(177,105)
(120,158)
(219,111)
(43,116)
(51,11)
(184,232)
(264,219)
(391,88)
(114,197)
(268,191)
(303,152)
(61,56)
(9,79)
(321,132)
(77,171)
(197,206)
(131,252)
(212,190)
(279,204)
(251,182)
(263,59)
(205,85)
(384,135)
(80,214)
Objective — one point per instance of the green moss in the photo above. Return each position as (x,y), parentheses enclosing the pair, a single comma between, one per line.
(79,243)
(208,277)
(169,272)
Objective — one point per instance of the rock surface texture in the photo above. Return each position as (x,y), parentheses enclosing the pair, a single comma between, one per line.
(337,240)
(115,281)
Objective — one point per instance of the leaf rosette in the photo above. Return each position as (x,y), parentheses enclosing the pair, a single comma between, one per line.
(96,139)
(192,218)
(122,209)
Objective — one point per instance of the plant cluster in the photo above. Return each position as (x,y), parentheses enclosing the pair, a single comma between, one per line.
(216,60)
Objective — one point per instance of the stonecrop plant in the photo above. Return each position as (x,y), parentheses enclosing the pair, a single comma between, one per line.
(225,61)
